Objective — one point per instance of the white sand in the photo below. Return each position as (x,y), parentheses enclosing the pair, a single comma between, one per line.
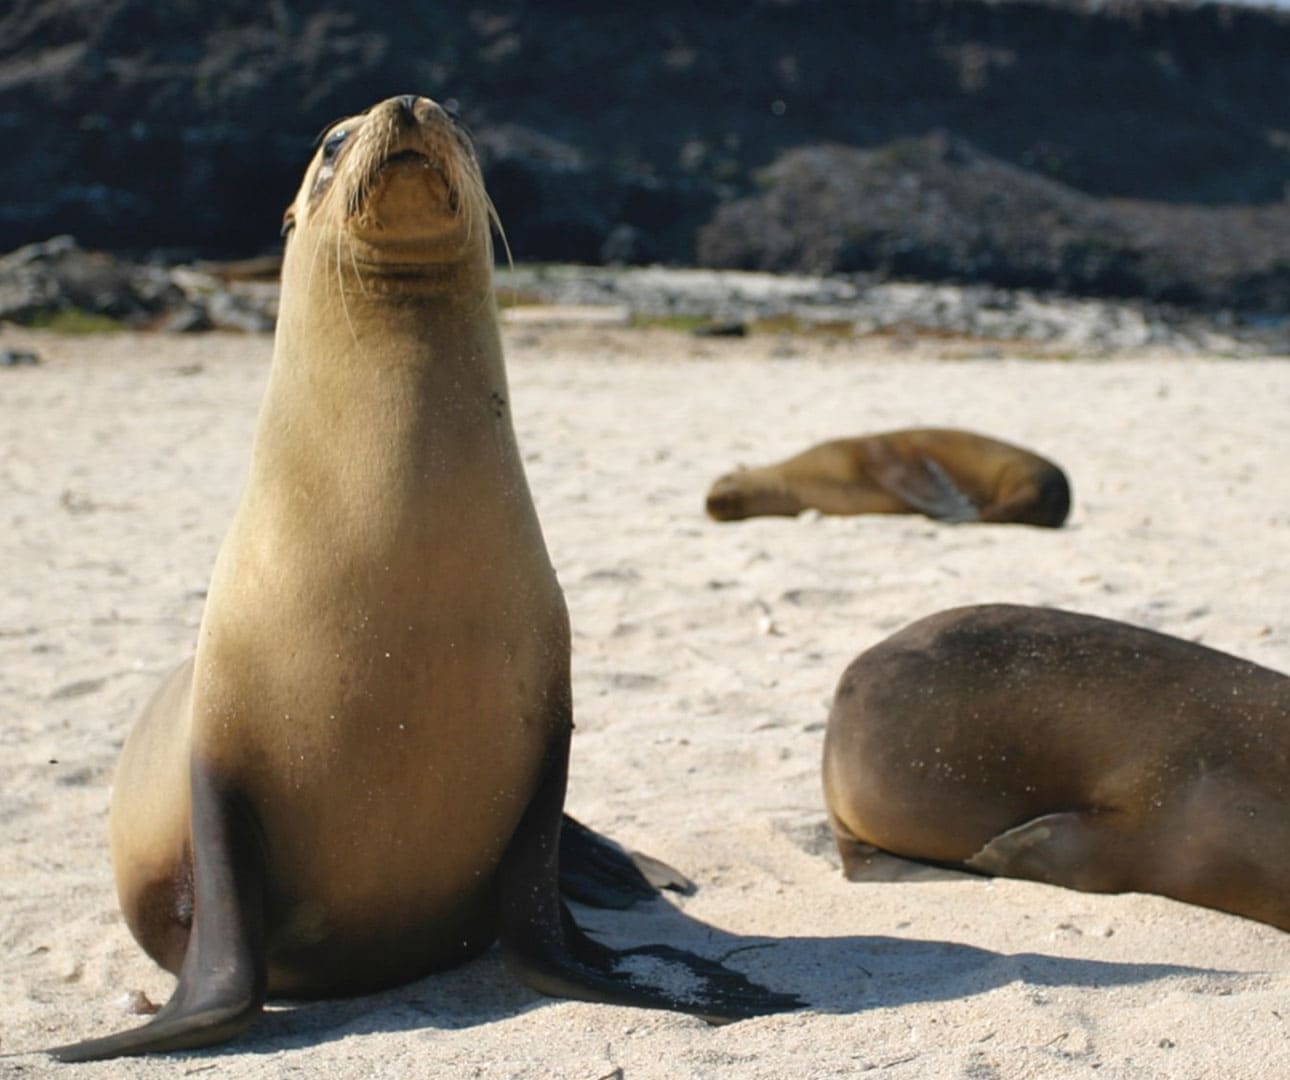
(704,659)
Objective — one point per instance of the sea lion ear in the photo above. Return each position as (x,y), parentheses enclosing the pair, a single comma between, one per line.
(288,220)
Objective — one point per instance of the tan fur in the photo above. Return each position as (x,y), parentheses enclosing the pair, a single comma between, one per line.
(383,598)
(1044,744)
(959,475)
(359,778)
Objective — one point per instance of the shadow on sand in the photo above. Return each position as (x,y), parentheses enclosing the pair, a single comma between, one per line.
(838,975)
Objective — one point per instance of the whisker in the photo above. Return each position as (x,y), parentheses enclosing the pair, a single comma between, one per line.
(495,221)
(358,274)
(313,258)
(344,304)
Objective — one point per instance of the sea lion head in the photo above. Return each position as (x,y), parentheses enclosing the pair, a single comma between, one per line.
(391,190)
(726,501)
(749,493)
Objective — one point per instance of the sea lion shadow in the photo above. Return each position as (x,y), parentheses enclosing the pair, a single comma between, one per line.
(479,992)
(835,975)
(852,973)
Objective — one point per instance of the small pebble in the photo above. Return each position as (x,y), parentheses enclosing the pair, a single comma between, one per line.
(137,1003)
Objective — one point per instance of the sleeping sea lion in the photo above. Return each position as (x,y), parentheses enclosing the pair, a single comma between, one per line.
(1064,748)
(950,475)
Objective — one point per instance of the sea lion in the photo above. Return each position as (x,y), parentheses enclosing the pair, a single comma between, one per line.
(358,779)
(946,474)
(1044,744)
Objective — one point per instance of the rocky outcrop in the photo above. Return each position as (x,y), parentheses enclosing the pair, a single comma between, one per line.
(60,285)
(937,209)
(140,126)
(721,302)
(57,283)
(41,281)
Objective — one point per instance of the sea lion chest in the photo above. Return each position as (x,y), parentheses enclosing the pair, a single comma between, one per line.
(383,665)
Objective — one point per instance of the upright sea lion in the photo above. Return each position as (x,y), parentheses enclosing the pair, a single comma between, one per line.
(946,474)
(358,780)
(1064,748)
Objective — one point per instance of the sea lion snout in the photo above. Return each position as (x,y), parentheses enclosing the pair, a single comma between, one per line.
(411,110)
(410,184)
(725,502)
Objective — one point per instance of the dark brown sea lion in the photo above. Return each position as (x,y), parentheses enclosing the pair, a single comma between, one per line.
(946,474)
(358,780)
(1064,748)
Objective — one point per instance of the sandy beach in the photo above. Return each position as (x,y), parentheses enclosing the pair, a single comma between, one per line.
(705,657)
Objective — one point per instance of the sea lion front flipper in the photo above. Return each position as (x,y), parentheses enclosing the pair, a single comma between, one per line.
(925,486)
(544,947)
(596,871)
(223,978)
(1080,849)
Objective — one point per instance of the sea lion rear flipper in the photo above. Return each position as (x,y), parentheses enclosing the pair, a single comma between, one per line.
(1079,849)
(223,979)
(596,871)
(544,947)
(925,486)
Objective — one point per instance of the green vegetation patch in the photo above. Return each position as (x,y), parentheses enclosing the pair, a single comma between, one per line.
(74,321)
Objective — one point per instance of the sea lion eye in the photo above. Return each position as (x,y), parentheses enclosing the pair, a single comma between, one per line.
(333,144)
(327,166)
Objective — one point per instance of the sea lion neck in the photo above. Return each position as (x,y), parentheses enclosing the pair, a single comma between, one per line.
(403,396)
(416,359)
(323,269)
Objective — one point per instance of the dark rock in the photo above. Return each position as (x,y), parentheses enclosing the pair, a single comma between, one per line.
(938,209)
(724,328)
(42,280)
(18,358)
(135,125)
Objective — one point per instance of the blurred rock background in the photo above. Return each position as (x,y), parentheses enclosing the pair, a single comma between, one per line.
(1106,148)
